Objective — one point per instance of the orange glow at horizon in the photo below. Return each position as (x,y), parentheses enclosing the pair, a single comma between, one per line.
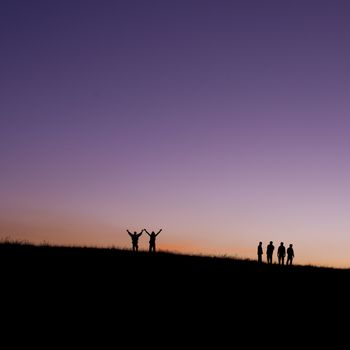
(68,230)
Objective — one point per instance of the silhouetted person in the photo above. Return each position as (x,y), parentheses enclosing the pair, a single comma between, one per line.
(135,239)
(260,252)
(290,255)
(281,253)
(269,252)
(152,239)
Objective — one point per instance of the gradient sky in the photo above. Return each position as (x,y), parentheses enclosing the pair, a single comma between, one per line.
(223,122)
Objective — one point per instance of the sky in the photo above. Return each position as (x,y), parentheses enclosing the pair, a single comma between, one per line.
(224,123)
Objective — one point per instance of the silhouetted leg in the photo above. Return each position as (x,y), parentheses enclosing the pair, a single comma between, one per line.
(152,247)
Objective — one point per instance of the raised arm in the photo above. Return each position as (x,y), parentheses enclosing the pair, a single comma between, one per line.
(130,234)
(159,232)
(146,231)
(139,234)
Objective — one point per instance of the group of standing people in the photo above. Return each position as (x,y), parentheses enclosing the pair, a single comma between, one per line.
(135,239)
(281,253)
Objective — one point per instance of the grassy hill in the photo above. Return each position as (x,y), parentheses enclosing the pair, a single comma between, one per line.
(118,289)
(111,268)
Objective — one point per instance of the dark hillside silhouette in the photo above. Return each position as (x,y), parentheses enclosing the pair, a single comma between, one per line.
(109,287)
(66,265)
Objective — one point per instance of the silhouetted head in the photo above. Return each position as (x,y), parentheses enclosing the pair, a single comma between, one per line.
(291,245)
(281,243)
(135,233)
(152,233)
(271,242)
(260,243)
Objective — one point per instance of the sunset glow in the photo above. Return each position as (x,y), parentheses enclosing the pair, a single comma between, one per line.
(224,123)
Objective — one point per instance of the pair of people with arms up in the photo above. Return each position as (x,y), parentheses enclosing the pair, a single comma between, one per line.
(135,239)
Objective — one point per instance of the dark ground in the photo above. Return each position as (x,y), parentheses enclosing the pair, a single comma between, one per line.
(145,295)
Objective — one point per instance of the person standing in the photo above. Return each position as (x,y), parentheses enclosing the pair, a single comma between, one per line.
(281,253)
(260,252)
(135,240)
(269,252)
(290,254)
(152,239)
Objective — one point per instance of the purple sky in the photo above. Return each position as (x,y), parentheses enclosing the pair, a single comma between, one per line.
(225,123)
